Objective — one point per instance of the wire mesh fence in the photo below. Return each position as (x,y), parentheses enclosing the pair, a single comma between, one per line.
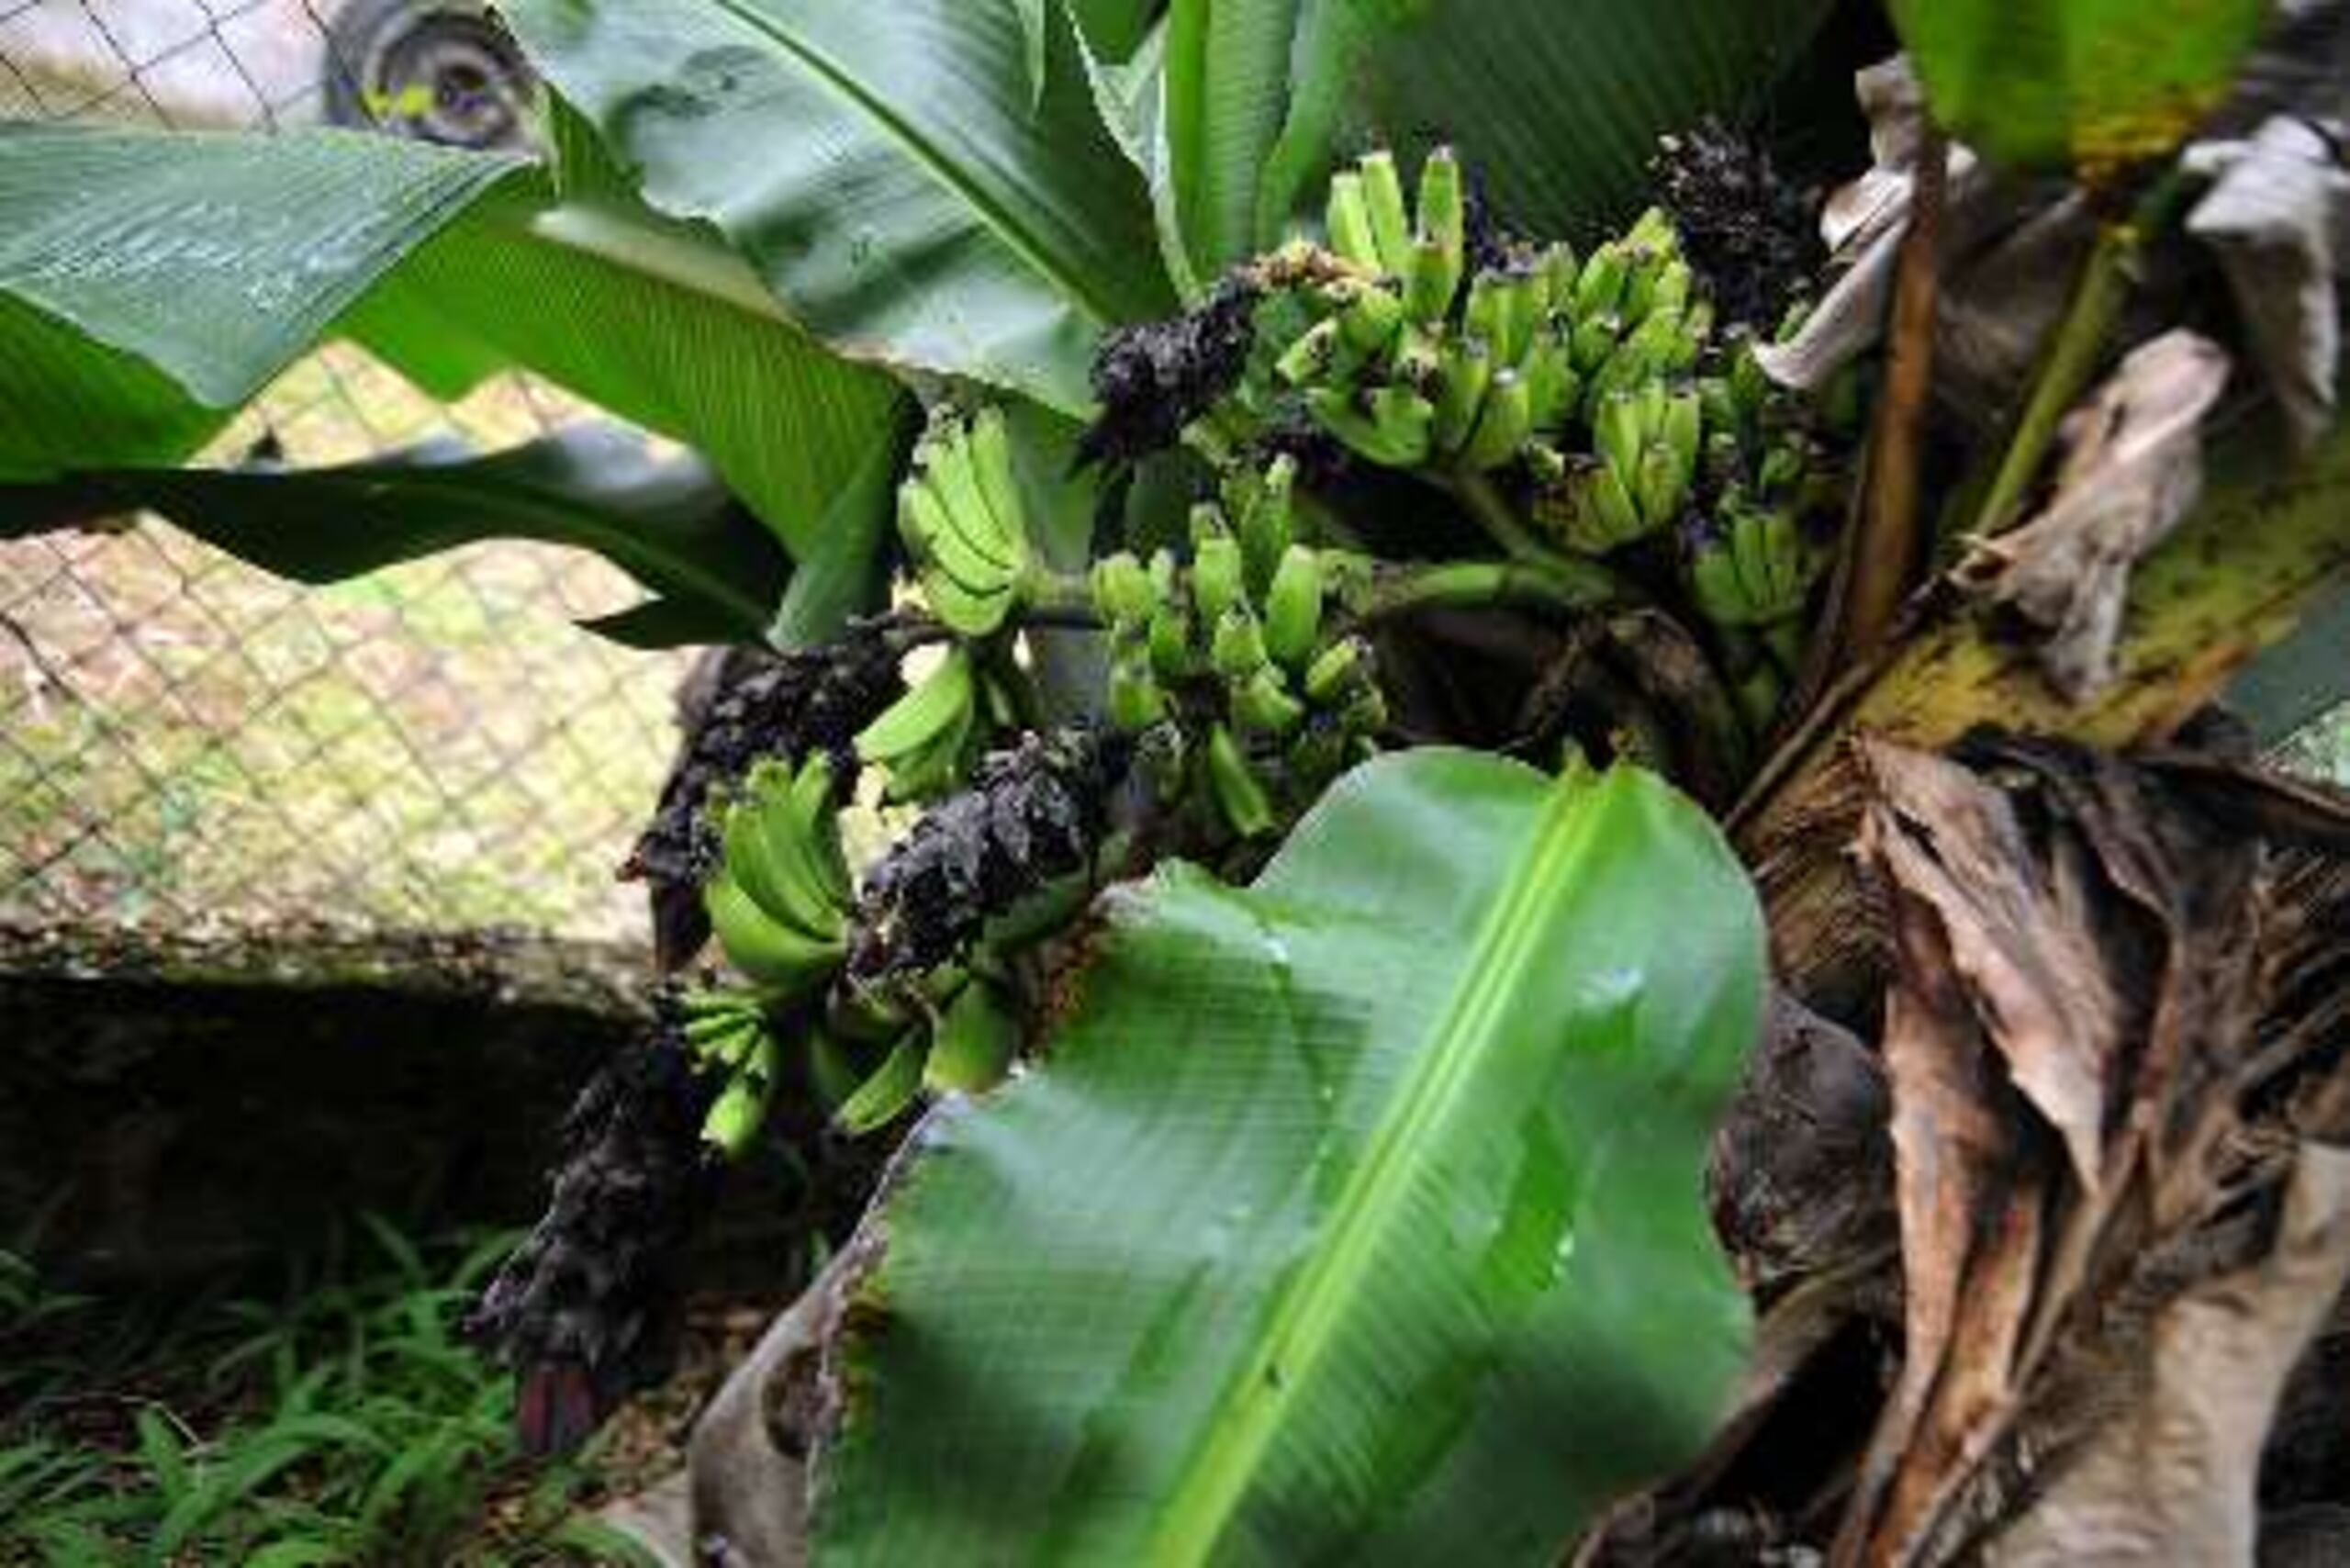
(185,742)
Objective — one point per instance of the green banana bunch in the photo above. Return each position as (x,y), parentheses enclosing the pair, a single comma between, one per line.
(727,1030)
(928,738)
(1648,443)
(1367,226)
(960,514)
(1751,568)
(779,903)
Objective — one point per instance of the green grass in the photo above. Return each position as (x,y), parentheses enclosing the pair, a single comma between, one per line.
(339,1421)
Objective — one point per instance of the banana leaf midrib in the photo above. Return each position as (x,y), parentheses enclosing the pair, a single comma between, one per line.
(1305,1317)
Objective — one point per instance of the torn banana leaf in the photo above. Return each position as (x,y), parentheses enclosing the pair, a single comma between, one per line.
(1355,1217)
(715,575)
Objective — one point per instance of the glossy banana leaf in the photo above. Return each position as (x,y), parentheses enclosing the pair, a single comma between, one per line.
(158,281)
(2089,82)
(898,173)
(1556,106)
(1355,1217)
(713,574)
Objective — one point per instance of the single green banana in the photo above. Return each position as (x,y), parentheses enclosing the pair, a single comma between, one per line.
(1552,387)
(1503,424)
(1557,272)
(732,1122)
(766,951)
(999,479)
(1123,597)
(1338,671)
(1599,287)
(1592,343)
(1430,282)
(1240,794)
(1368,317)
(1261,703)
(1660,485)
(818,814)
(1467,368)
(1292,612)
(1219,577)
(936,704)
(1682,430)
(972,1048)
(1443,214)
(1172,657)
(1481,314)
(1269,522)
(1136,700)
(1393,433)
(1237,649)
(1320,355)
(1348,222)
(1391,225)
(1617,432)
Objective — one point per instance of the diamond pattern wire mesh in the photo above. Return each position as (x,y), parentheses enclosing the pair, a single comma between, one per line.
(188,743)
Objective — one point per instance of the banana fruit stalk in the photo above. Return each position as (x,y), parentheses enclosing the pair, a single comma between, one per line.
(960,515)
(779,903)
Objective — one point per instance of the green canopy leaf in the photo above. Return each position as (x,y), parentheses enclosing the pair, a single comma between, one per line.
(896,173)
(162,279)
(1557,107)
(715,575)
(149,283)
(2089,82)
(1356,1215)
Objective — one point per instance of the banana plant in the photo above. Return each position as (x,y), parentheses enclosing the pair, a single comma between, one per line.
(1308,620)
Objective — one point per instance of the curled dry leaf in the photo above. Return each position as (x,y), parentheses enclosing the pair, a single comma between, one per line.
(2278,216)
(2132,467)
(2009,249)
(2174,1480)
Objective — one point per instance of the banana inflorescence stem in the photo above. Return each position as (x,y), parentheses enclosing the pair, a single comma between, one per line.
(1500,520)
(1569,586)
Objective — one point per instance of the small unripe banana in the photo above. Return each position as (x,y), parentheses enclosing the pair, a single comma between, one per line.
(1238,793)
(1321,354)
(1122,591)
(1336,671)
(1503,424)
(1348,220)
(1466,370)
(1219,577)
(1237,648)
(1444,218)
(1135,700)
(1391,225)
(1293,618)
(1261,703)
(1368,317)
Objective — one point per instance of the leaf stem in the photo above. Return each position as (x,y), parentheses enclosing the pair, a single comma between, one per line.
(2073,351)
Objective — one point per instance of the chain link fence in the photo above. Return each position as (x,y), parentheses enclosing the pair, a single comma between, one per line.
(190,744)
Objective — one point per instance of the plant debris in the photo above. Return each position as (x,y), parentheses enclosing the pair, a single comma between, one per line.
(2133,468)
(1031,815)
(586,1308)
(1750,233)
(1156,377)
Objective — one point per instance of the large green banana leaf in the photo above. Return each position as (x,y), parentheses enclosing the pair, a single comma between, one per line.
(2052,83)
(895,171)
(665,521)
(161,280)
(1355,1217)
(1557,106)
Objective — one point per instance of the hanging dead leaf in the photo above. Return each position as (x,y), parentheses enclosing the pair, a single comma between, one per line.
(2133,466)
